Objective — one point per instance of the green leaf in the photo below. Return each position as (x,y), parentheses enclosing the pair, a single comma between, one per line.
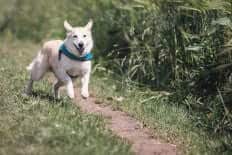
(223,21)
(193,48)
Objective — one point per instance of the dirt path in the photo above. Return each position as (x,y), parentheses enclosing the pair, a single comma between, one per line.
(127,127)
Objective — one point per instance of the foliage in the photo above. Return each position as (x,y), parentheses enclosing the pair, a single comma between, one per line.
(181,46)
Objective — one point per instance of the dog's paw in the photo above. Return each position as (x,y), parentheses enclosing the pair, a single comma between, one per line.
(56,94)
(85,95)
(71,96)
(25,95)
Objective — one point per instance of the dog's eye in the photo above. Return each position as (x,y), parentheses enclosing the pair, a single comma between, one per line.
(84,35)
(75,36)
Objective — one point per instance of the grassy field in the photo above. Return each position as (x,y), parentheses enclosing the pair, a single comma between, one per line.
(39,124)
(169,122)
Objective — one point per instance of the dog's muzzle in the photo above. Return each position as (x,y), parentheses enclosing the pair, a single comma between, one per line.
(79,47)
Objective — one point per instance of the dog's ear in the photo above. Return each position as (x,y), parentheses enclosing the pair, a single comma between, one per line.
(67,26)
(90,24)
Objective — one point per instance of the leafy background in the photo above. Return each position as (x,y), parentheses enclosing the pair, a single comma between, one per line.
(180,46)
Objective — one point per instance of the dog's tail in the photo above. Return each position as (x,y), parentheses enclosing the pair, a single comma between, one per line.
(30,66)
(36,60)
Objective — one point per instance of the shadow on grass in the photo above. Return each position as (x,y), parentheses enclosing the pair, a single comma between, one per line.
(43,95)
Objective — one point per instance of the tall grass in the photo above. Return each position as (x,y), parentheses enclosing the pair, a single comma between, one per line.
(181,46)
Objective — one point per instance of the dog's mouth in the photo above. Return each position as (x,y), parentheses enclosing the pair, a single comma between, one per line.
(80,49)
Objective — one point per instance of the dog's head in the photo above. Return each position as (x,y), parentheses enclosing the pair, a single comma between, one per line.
(79,39)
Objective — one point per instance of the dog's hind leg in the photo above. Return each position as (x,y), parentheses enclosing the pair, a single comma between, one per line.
(28,89)
(37,69)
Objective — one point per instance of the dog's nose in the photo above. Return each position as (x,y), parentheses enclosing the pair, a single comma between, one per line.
(81,45)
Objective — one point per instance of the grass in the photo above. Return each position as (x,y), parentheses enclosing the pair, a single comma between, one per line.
(40,124)
(167,120)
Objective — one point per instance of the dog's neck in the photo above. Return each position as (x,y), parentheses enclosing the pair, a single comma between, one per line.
(65,51)
(69,46)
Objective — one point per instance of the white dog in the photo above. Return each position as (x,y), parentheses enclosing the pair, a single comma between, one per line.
(66,59)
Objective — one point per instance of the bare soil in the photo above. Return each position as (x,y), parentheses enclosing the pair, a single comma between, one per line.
(126,127)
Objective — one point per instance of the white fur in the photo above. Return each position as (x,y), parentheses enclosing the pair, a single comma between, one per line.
(47,60)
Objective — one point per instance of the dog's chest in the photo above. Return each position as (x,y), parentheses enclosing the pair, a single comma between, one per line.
(76,68)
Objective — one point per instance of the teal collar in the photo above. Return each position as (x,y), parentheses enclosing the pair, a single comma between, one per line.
(65,51)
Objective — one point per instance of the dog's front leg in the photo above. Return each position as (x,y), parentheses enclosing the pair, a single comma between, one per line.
(70,89)
(84,85)
(63,77)
(56,87)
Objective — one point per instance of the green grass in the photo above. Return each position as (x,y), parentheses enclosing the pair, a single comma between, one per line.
(167,120)
(42,125)
(39,124)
